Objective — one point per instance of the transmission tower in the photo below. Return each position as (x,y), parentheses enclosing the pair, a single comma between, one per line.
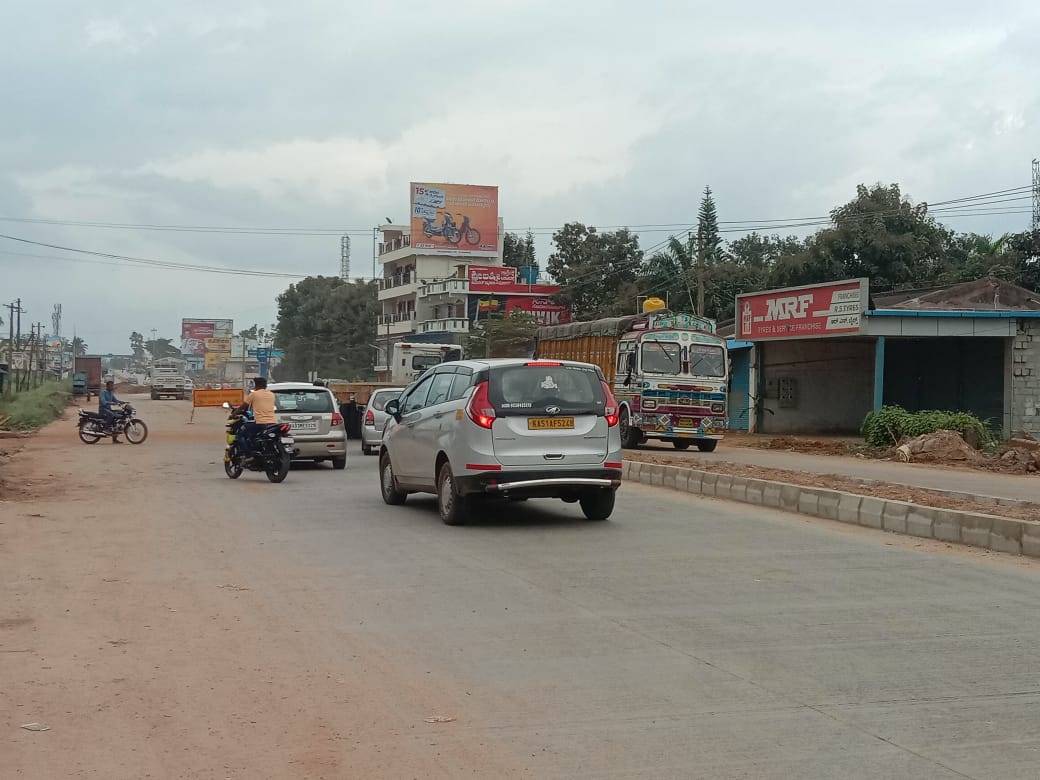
(56,320)
(344,258)
(1036,196)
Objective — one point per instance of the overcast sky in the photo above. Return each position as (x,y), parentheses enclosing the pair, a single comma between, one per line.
(318,114)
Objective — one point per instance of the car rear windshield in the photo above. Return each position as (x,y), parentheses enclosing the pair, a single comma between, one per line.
(537,389)
(380,400)
(315,401)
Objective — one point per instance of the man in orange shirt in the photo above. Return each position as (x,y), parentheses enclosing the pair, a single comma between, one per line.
(261,401)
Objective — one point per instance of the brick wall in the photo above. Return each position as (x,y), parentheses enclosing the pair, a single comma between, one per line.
(1025,378)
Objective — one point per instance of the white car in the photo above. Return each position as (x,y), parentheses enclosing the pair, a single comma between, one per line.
(510,428)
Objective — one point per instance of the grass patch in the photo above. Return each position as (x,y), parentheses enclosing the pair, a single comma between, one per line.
(35,408)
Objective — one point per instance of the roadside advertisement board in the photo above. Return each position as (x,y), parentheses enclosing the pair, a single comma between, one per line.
(491,278)
(195,332)
(216,359)
(546,311)
(812,311)
(205,398)
(454,219)
(218,345)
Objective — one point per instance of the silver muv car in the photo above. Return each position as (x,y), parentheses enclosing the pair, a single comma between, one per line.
(510,428)
(375,418)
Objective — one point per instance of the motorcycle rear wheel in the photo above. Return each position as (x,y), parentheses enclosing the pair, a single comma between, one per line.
(136,431)
(281,470)
(90,436)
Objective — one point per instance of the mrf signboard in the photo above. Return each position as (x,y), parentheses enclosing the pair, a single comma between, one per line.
(812,311)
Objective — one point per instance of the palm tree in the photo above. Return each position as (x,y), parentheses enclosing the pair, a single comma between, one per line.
(79,347)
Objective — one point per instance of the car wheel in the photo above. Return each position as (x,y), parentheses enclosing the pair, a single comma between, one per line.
(597,504)
(339,463)
(707,445)
(451,506)
(681,444)
(392,494)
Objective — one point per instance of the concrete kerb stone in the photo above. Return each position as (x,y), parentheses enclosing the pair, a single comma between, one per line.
(808,501)
(1005,535)
(828,504)
(1031,539)
(946,525)
(755,491)
(1017,537)
(848,508)
(894,516)
(920,521)
(871,512)
(975,529)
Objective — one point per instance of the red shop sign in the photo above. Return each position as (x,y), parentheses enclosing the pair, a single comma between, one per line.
(812,311)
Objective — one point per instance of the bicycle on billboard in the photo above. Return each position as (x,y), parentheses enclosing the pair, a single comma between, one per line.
(450,231)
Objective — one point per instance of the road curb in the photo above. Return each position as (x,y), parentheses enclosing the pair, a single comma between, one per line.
(975,529)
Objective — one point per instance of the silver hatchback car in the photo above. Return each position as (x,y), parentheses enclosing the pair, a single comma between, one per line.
(510,428)
(317,425)
(375,418)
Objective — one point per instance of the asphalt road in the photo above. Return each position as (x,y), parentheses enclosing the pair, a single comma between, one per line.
(165,621)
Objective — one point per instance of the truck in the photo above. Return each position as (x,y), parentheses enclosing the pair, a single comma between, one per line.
(167,378)
(668,372)
(410,359)
(86,375)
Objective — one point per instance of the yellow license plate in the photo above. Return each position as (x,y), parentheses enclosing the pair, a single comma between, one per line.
(549,423)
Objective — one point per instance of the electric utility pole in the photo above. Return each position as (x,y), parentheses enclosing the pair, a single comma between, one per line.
(1036,197)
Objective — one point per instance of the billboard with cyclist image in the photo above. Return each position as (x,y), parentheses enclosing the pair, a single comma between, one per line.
(454,219)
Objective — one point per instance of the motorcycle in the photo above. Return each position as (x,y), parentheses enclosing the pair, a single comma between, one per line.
(93,427)
(446,230)
(471,234)
(271,452)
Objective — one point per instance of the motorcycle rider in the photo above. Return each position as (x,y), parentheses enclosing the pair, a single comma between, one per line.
(105,402)
(261,401)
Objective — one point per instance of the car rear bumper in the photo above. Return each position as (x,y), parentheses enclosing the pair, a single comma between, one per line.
(306,449)
(539,484)
(370,436)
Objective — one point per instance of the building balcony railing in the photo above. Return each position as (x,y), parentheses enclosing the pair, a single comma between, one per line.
(447,325)
(395,324)
(444,286)
(397,280)
(386,247)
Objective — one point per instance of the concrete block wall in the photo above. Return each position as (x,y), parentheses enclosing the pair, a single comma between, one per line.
(1025,378)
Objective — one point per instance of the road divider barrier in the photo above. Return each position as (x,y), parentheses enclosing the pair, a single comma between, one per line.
(992,532)
(204,398)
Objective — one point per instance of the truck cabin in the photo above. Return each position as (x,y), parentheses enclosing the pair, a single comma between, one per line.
(671,354)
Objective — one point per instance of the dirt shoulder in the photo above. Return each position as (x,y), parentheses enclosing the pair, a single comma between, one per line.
(154,626)
(897,492)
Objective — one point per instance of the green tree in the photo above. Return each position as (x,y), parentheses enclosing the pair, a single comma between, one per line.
(162,348)
(758,251)
(509,336)
(709,242)
(327,324)
(519,252)
(79,347)
(597,271)
(671,274)
(529,254)
(137,347)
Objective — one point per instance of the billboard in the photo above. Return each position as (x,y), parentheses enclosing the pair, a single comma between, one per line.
(491,278)
(546,311)
(218,344)
(812,311)
(195,332)
(454,219)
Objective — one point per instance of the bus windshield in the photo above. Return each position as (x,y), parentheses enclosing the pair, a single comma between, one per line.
(661,357)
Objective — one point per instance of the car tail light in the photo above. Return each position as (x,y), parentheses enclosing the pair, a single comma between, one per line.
(479,407)
(613,464)
(543,364)
(284,428)
(610,407)
(337,419)
(370,417)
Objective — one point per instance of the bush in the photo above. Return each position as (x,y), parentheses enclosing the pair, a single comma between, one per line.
(35,408)
(889,425)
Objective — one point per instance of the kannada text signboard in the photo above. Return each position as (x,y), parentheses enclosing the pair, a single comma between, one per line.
(546,311)
(454,219)
(491,278)
(812,311)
